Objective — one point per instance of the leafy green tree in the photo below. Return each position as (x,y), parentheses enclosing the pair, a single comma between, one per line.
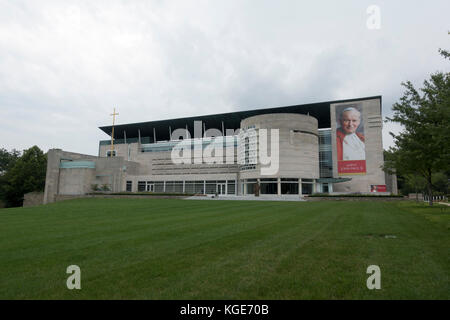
(415,183)
(26,175)
(423,147)
(7,159)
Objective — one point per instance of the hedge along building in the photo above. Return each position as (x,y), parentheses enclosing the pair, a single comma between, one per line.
(298,149)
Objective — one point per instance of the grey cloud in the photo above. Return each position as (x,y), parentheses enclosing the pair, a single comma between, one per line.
(65,65)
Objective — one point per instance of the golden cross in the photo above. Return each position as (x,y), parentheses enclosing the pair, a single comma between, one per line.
(114,114)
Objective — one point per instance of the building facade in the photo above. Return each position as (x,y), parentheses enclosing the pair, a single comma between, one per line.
(325,147)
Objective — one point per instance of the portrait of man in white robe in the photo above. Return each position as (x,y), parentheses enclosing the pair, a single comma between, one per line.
(350,142)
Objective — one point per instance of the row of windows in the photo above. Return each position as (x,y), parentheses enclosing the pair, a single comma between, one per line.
(267,186)
(285,188)
(325,154)
(201,187)
(225,141)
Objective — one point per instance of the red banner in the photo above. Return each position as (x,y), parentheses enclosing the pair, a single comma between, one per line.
(351,167)
(378,188)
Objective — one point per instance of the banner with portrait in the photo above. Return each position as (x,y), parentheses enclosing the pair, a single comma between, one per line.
(350,140)
(378,188)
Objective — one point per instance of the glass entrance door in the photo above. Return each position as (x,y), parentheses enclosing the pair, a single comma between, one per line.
(150,187)
(221,188)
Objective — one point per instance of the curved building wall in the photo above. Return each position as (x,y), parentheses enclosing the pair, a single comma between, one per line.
(298,144)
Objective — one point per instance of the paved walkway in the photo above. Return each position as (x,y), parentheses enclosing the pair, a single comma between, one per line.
(444,203)
(265,197)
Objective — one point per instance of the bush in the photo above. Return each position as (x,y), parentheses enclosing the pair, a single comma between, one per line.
(354,195)
(142,194)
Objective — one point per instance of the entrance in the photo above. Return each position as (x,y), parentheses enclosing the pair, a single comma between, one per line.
(150,187)
(220,188)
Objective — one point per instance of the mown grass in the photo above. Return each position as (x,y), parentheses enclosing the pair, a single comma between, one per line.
(186,249)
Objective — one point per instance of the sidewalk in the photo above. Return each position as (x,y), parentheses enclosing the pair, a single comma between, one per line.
(265,197)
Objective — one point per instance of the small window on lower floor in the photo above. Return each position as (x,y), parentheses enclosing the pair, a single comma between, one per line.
(111,153)
(141,186)
(129,186)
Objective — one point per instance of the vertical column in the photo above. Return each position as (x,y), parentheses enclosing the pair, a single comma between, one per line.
(164,186)
(238,184)
(300,187)
(52,175)
(204,186)
(184,186)
(279,186)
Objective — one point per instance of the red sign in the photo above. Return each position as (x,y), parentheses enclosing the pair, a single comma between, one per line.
(378,188)
(351,167)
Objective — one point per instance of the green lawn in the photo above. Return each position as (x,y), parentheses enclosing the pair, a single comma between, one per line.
(180,249)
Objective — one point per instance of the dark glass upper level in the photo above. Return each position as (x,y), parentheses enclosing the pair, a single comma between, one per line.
(159,130)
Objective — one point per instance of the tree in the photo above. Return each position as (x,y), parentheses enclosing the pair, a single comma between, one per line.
(7,159)
(423,147)
(26,175)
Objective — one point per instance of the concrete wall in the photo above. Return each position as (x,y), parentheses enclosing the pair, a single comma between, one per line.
(372,122)
(298,144)
(33,199)
(415,196)
(75,181)
(391,183)
(79,181)
(54,158)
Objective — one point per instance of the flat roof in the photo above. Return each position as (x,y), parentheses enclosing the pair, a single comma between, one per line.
(231,120)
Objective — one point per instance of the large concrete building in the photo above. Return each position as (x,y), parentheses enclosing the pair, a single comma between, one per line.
(329,147)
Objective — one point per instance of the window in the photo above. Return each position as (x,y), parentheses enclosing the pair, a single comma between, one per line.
(231,187)
(141,186)
(129,186)
(289,188)
(268,188)
(325,154)
(289,185)
(110,153)
(307,188)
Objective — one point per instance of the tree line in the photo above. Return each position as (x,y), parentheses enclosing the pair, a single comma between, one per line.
(20,173)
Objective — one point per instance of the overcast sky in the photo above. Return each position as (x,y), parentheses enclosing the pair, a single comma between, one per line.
(64,65)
